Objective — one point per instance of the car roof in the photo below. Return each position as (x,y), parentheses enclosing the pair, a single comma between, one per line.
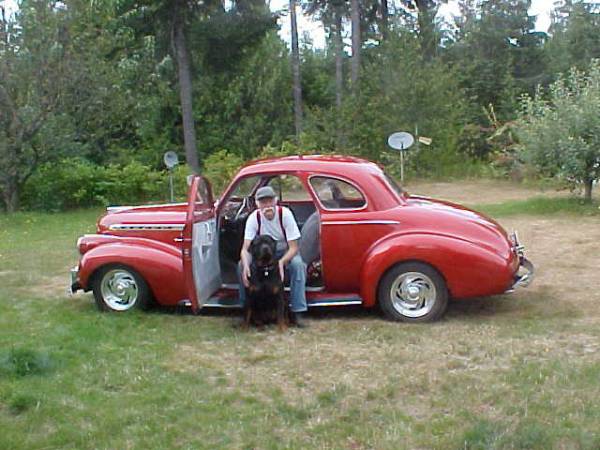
(319,163)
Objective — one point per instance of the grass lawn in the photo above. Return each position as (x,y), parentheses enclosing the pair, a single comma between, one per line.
(518,371)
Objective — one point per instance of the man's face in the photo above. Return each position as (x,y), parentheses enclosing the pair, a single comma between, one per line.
(267,207)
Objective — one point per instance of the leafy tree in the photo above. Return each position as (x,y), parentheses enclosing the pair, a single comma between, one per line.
(561,135)
(497,55)
(401,92)
(37,65)
(575,37)
(175,23)
(246,108)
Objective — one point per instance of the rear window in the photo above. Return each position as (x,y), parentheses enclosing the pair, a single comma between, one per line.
(334,193)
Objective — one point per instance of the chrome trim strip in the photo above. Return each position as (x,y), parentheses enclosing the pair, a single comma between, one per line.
(146,226)
(221,305)
(214,302)
(335,303)
(361,222)
(121,208)
(235,287)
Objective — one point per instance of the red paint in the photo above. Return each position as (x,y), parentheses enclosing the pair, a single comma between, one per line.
(472,252)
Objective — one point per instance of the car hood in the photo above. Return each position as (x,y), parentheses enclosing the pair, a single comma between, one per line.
(443,217)
(139,218)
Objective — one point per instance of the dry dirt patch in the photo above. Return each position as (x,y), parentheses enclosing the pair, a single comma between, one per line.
(479,191)
(365,357)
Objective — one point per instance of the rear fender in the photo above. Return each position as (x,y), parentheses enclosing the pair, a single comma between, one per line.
(159,264)
(469,270)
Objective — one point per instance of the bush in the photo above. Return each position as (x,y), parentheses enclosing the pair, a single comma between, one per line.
(76,183)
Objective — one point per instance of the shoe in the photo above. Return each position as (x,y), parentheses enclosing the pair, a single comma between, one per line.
(299,319)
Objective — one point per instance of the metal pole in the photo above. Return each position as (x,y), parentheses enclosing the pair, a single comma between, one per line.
(171,184)
(402,164)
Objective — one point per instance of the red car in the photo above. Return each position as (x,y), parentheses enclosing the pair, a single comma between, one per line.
(365,242)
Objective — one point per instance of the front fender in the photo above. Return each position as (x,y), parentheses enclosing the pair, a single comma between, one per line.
(161,268)
(470,270)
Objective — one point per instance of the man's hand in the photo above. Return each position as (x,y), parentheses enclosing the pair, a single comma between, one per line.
(281,269)
(246,275)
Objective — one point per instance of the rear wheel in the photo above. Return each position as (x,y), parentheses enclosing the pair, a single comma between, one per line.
(119,288)
(413,292)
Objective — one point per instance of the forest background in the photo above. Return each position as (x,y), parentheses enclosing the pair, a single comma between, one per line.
(93,93)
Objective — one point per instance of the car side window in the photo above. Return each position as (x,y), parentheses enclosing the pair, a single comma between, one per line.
(289,188)
(337,194)
(244,187)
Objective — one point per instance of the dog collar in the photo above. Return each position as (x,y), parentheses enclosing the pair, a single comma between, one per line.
(266,269)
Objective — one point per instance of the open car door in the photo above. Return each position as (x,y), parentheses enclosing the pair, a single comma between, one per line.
(200,249)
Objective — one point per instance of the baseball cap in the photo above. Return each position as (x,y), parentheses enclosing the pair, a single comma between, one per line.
(265,192)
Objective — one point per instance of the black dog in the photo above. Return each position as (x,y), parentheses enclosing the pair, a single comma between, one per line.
(265,302)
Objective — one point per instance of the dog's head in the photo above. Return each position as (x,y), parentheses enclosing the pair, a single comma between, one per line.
(263,249)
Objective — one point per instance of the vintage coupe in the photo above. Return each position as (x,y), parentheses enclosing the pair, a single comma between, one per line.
(368,243)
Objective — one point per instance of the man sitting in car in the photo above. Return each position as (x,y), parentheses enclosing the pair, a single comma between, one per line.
(279,223)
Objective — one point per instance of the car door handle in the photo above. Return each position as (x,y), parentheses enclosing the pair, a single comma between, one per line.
(180,239)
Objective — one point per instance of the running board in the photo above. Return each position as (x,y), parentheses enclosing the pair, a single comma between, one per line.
(235,287)
(233,302)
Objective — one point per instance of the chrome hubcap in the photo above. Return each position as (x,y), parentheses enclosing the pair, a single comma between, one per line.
(413,294)
(119,289)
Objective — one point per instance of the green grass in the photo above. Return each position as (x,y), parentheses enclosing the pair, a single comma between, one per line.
(541,206)
(493,374)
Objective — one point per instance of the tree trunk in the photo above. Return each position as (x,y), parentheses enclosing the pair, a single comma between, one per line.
(384,19)
(356,40)
(297,86)
(588,185)
(10,196)
(427,10)
(339,59)
(185,89)
(339,74)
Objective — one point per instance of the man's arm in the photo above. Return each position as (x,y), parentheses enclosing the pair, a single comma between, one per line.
(291,251)
(249,232)
(245,258)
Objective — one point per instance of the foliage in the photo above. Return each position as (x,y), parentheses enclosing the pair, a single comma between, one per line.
(402,92)
(98,82)
(561,135)
(220,168)
(75,183)
(575,38)
(249,108)
(497,55)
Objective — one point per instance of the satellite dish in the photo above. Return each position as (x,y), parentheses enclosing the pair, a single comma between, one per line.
(171,160)
(401,140)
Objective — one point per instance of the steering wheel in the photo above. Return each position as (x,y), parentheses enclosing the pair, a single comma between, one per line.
(247,205)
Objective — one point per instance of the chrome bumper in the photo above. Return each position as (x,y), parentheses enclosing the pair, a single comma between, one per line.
(74,285)
(524,275)
(526,271)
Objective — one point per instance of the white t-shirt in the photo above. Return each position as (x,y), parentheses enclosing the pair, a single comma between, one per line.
(273,227)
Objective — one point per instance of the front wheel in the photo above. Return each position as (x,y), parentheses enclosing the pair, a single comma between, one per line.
(413,292)
(119,288)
